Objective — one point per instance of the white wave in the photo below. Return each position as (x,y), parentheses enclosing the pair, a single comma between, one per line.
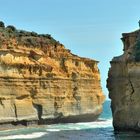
(8,130)
(98,124)
(53,130)
(80,126)
(26,136)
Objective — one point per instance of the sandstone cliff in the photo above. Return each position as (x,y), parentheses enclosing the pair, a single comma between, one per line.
(124,84)
(41,81)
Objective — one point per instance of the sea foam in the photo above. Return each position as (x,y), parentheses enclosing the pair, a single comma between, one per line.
(25,136)
(80,126)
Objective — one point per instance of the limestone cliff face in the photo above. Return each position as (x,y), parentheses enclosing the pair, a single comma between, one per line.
(124,84)
(42,81)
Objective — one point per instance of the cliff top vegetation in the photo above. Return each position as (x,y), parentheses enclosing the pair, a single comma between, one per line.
(29,39)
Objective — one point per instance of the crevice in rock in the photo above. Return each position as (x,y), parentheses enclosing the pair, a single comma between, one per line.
(132,92)
(75,94)
(130,82)
(62,64)
(2,103)
(38,108)
(33,92)
(15,109)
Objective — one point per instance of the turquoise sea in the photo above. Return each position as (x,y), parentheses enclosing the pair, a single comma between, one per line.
(99,130)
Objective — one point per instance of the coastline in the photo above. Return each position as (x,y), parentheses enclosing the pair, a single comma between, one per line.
(45,122)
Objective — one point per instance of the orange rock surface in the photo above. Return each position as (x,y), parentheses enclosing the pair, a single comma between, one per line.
(42,81)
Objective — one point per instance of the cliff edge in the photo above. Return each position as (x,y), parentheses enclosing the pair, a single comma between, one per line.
(124,84)
(43,82)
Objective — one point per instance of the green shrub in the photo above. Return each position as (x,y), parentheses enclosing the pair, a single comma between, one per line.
(34,34)
(2,24)
(26,38)
(12,28)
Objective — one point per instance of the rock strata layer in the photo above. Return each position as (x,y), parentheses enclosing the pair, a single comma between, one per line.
(124,84)
(43,82)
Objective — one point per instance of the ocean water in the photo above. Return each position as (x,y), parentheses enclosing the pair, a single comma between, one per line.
(99,130)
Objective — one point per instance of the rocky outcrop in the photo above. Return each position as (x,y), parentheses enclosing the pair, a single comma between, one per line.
(124,84)
(43,82)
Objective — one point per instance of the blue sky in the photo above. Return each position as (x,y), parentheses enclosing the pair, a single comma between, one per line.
(90,28)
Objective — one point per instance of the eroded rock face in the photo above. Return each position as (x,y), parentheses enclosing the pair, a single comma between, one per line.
(124,84)
(41,81)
